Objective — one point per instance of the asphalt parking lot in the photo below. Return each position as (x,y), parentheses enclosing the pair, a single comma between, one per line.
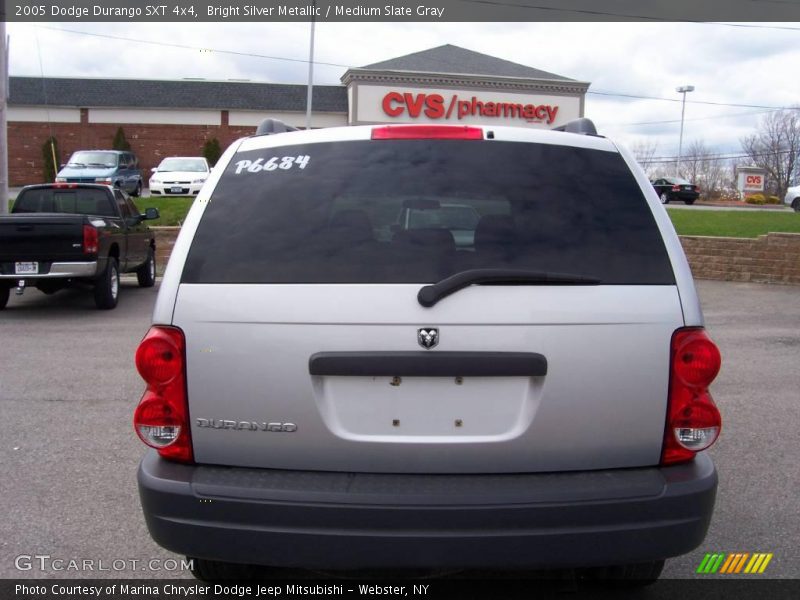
(69,454)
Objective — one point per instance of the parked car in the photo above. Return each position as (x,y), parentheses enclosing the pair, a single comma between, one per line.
(675,188)
(111,167)
(792,198)
(179,176)
(63,233)
(320,396)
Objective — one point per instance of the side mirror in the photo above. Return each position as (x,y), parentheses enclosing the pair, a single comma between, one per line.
(154,169)
(151,214)
(62,165)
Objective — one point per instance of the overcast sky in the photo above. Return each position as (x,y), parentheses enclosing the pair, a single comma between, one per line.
(728,65)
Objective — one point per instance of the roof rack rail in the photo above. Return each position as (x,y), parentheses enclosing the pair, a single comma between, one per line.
(583,126)
(272,126)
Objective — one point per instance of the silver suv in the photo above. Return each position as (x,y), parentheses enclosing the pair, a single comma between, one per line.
(325,390)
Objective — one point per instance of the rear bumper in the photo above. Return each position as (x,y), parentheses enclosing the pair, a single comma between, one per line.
(58,270)
(353,521)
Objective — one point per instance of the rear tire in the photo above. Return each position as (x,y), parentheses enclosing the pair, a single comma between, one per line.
(4,294)
(664,198)
(106,288)
(627,576)
(146,274)
(138,191)
(689,202)
(796,204)
(213,570)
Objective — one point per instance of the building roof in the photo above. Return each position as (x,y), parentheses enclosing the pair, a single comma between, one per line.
(460,61)
(184,94)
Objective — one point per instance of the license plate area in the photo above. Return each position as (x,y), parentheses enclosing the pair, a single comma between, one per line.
(26,268)
(176,189)
(432,409)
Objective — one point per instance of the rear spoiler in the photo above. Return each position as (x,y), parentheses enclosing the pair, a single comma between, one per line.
(582,126)
(273,126)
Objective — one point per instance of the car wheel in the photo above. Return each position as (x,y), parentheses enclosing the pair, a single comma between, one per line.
(796,204)
(4,293)
(689,202)
(664,198)
(627,576)
(146,274)
(138,191)
(214,570)
(106,288)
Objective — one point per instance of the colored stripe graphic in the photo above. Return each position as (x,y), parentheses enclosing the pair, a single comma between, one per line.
(734,563)
(711,563)
(758,563)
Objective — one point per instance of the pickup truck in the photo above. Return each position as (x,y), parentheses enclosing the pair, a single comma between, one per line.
(64,233)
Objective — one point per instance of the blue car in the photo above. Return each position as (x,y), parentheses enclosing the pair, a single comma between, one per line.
(110,167)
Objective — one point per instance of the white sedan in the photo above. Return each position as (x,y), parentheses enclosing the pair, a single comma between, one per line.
(793,198)
(179,176)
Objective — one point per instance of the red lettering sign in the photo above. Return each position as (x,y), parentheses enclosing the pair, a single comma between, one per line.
(754,180)
(435,106)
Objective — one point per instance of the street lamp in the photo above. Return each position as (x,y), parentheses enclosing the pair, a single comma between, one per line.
(681,90)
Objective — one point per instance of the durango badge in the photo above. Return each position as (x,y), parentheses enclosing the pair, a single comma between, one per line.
(428,337)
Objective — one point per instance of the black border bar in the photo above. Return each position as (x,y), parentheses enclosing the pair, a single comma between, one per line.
(271,11)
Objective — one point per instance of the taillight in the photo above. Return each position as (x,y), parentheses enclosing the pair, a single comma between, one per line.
(676,188)
(693,421)
(427,132)
(162,418)
(90,240)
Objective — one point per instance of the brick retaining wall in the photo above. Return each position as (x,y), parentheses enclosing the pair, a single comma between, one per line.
(771,258)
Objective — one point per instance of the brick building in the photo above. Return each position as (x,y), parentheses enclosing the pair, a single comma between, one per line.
(160,118)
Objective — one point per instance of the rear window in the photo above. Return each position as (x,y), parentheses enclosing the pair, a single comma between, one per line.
(417,211)
(72,201)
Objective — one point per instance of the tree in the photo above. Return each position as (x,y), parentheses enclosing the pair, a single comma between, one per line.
(644,153)
(212,151)
(702,167)
(120,143)
(775,147)
(50,159)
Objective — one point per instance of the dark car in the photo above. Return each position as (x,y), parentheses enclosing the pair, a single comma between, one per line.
(63,233)
(675,188)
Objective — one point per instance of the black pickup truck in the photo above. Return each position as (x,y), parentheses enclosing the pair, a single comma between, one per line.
(63,233)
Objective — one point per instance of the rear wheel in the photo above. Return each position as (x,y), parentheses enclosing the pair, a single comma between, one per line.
(138,191)
(689,202)
(106,288)
(664,198)
(4,293)
(796,204)
(146,274)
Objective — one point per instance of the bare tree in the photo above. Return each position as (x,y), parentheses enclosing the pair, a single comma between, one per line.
(702,167)
(644,153)
(775,147)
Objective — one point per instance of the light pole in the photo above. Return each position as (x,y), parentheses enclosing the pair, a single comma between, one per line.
(681,90)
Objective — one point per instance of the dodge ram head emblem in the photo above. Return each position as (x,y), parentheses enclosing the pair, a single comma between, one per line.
(428,337)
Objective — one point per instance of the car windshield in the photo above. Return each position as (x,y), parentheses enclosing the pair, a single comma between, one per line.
(193,165)
(93,159)
(328,213)
(72,201)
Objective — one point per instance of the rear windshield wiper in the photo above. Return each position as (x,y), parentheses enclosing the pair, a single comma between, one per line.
(431,294)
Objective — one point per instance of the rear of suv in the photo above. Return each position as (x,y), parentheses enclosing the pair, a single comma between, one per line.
(328,390)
